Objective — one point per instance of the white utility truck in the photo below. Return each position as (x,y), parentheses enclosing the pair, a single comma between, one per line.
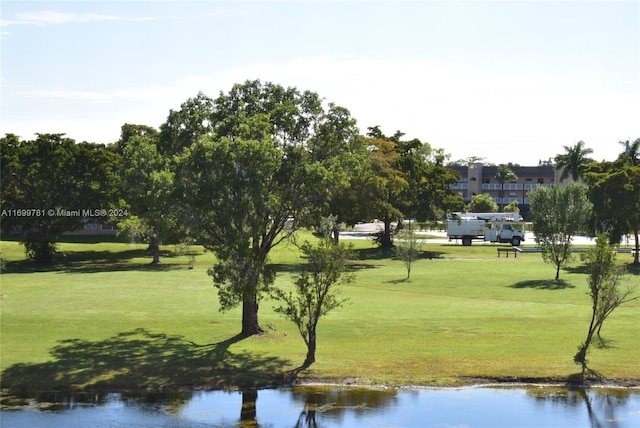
(488,227)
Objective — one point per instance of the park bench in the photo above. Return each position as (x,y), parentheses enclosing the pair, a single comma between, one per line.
(507,251)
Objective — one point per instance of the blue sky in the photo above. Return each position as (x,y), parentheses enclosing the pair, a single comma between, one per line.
(510,81)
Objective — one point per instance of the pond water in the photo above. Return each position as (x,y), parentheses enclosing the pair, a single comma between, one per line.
(330,406)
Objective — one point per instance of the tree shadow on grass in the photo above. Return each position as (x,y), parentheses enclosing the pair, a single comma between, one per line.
(580,269)
(97,261)
(633,269)
(544,284)
(142,360)
(376,253)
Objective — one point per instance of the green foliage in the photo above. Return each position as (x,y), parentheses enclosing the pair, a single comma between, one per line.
(614,189)
(512,207)
(133,230)
(267,154)
(606,290)
(315,294)
(54,180)
(406,178)
(407,246)
(482,203)
(148,184)
(572,161)
(559,213)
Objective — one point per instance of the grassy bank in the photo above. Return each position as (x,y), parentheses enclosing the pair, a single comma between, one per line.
(102,317)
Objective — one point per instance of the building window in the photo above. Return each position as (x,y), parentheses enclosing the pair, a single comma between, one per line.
(486,180)
(540,180)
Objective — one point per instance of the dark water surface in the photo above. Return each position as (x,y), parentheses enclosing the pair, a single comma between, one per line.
(332,406)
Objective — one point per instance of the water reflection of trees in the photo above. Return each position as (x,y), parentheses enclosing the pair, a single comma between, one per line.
(601,404)
(333,402)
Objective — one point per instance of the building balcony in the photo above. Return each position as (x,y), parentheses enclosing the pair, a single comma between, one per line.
(491,186)
(459,186)
(512,186)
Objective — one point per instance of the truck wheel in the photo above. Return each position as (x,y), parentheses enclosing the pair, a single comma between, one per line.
(515,241)
(466,241)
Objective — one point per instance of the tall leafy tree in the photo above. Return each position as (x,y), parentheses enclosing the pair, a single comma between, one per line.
(274,154)
(55,181)
(559,213)
(385,183)
(148,183)
(504,174)
(614,189)
(572,160)
(406,178)
(428,195)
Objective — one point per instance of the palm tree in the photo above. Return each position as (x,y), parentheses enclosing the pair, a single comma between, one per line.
(571,161)
(632,151)
(503,174)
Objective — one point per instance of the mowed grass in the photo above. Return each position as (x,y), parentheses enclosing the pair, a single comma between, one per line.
(102,317)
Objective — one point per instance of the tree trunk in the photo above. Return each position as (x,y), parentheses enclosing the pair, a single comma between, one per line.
(154,246)
(250,324)
(557,271)
(336,235)
(637,254)
(386,241)
(311,350)
(581,356)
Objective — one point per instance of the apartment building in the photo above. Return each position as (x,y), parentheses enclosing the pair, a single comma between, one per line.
(477,178)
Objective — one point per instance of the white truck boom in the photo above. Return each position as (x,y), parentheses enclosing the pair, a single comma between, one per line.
(488,227)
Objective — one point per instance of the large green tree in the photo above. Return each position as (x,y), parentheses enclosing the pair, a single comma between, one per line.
(384,183)
(406,178)
(572,160)
(614,189)
(428,195)
(559,213)
(51,184)
(148,184)
(275,158)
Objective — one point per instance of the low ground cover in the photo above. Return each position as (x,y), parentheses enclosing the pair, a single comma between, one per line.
(102,317)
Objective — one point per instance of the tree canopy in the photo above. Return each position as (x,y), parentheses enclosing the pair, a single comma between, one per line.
(50,185)
(559,213)
(482,203)
(614,189)
(275,156)
(572,160)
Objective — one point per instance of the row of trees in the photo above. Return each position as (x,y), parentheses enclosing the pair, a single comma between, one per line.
(232,173)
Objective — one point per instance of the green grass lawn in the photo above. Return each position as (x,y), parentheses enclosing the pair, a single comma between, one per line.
(102,317)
